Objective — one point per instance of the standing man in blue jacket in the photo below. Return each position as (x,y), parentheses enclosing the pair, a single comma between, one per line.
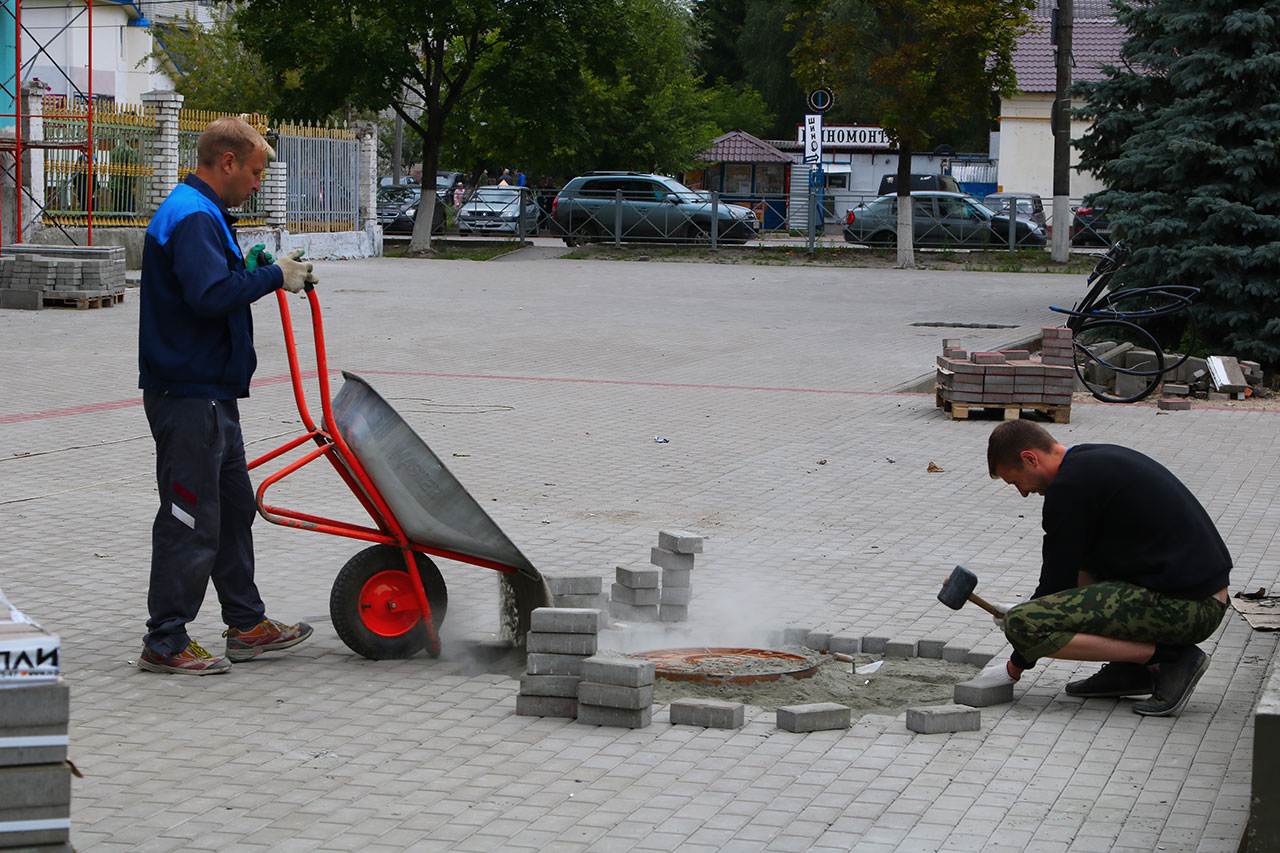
(195,359)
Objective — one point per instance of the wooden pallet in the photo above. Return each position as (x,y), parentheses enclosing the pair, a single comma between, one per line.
(1011,412)
(106,300)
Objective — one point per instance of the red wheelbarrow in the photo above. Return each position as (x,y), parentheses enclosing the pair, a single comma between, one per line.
(389,600)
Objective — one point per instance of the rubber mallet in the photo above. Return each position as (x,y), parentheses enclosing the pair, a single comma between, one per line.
(959,588)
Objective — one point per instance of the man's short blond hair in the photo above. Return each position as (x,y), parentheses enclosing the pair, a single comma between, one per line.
(233,134)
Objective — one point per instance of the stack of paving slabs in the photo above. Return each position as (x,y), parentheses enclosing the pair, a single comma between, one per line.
(674,555)
(578,591)
(616,691)
(634,595)
(35,778)
(1009,379)
(559,640)
(32,275)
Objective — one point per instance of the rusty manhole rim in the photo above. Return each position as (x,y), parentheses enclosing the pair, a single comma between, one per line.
(692,664)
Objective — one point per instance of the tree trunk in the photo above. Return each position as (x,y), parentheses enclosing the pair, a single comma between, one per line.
(420,242)
(906,236)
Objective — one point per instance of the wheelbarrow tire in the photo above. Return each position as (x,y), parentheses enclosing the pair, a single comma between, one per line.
(349,604)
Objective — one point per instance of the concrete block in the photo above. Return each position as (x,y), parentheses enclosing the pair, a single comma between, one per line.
(987,358)
(1127,384)
(708,713)
(34,792)
(847,644)
(1057,360)
(674,578)
(597,715)
(624,672)
(635,597)
(817,717)
(793,635)
(680,541)
(1175,389)
(978,658)
(931,649)
(564,620)
(673,613)
(632,613)
(571,601)
(561,644)
(38,715)
(874,645)
(615,695)
(563,686)
(952,653)
(638,578)
(574,584)
(900,649)
(819,641)
(23,300)
(670,559)
(1173,405)
(940,719)
(675,595)
(542,663)
(968,693)
(546,706)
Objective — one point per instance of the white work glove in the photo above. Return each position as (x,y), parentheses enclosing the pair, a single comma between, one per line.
(1003,608)
(994,674)
(296,273)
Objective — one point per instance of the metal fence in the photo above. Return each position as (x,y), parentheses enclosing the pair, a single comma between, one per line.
(191,123)
(121,171)
(322,189)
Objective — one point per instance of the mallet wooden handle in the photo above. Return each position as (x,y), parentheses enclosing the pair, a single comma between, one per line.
(985,606)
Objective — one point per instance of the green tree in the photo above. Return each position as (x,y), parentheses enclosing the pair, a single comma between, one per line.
(213,69)
(914,67)
(1184,138)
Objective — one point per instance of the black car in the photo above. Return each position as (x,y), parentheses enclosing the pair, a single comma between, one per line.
(402,222)
(1090,226)
(393,199)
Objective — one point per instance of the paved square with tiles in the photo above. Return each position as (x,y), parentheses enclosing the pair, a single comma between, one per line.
(543,384)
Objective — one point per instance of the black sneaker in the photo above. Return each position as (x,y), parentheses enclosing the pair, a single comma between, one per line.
(1174,683)
(1114,681)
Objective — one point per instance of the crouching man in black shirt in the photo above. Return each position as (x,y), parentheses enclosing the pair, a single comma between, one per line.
(1134,571)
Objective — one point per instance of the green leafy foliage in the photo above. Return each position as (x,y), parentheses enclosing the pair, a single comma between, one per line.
(1185,138)
(214,68)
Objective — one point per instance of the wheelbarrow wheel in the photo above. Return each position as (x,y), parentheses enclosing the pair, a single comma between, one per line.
(375,609)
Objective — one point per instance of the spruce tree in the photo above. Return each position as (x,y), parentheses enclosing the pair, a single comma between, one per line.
(1186,138)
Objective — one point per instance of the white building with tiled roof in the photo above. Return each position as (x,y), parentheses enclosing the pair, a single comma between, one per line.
(1026,140)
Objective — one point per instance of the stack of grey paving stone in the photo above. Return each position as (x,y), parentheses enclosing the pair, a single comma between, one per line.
(559,640)
(35,778)
(616,691)
(579,591)
(31,273)
(634,594)
(674,555)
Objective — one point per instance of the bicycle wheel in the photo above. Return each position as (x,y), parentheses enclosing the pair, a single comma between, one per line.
(1100,352)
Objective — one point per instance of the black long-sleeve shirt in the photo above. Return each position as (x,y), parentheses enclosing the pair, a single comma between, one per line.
(1120,515)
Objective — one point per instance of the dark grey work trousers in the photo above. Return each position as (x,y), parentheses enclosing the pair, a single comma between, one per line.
(203,529)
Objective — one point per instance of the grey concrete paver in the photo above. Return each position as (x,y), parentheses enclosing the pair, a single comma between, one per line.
(542,384)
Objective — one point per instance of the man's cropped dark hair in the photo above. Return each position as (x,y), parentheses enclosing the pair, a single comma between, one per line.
(1011,438)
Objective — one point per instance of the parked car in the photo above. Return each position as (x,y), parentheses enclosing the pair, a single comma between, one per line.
(393,199)
(1029,205)
(938,219)
(445,182)
(1090,226)
(653,207)
(402,222)
(498,210)
(920,183)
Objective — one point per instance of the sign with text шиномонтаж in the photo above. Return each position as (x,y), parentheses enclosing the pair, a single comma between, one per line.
(846,136)
(811,138)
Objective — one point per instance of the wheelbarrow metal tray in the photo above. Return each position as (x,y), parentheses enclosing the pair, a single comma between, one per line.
(432,507)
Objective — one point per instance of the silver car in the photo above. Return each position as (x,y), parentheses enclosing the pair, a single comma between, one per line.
(498,210)
(938,219)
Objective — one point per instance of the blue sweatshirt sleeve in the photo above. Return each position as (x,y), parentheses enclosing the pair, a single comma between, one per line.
(200,265)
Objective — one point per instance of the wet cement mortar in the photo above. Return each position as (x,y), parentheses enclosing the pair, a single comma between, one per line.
(899,684)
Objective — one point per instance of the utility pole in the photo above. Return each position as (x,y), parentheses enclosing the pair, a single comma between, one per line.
(397,149)
(1062,136)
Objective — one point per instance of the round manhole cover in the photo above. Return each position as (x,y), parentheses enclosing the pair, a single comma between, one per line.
(719,665)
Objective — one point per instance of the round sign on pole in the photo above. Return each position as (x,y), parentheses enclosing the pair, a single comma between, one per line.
(820,100)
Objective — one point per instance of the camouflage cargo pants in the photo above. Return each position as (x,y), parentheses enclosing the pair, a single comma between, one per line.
(1114,609)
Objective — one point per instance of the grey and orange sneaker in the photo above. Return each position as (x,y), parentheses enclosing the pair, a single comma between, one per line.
(267,636)
(193,660)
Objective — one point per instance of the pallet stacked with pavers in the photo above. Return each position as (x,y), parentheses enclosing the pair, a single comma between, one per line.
(559,640)
(616,691)
(1011,380)
(85,277)
(579,591)
(35,778)
(674,555)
